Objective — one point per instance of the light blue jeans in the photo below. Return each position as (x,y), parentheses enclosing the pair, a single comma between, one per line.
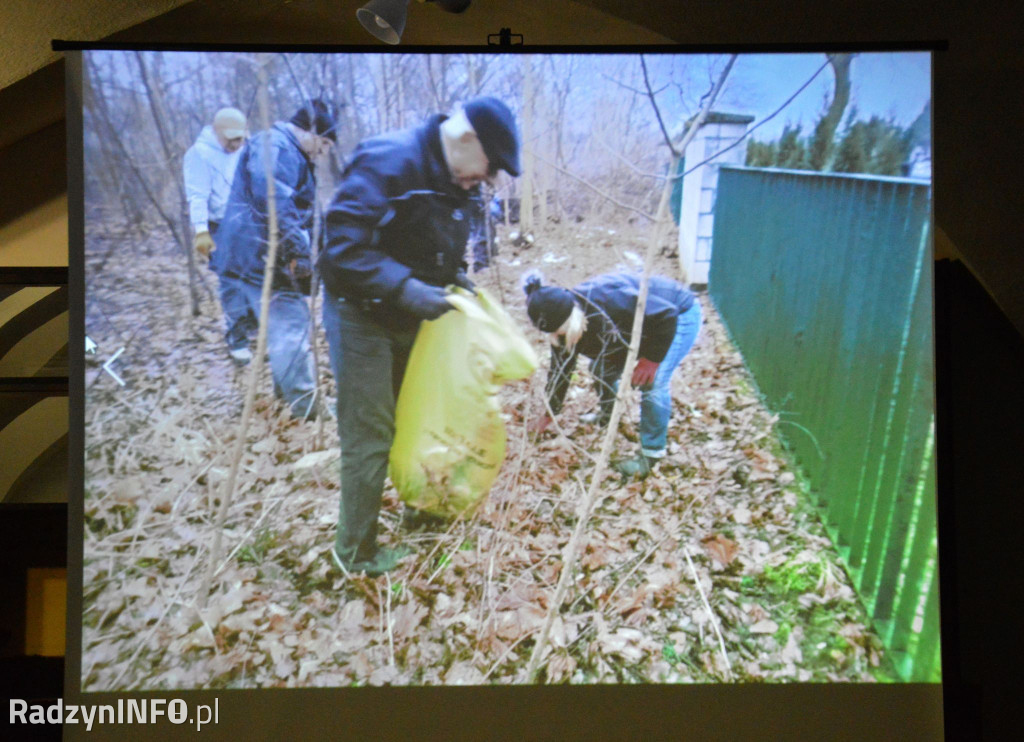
(291,359)
(656,402)
(240,322)
(239,319)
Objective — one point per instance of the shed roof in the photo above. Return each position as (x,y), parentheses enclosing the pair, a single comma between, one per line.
(721,117)
(717,117)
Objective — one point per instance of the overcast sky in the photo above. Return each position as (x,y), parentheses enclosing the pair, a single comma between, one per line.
(889,84)
(886,84)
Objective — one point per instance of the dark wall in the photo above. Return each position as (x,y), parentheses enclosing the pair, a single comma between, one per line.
(981,355)
(30,536)
(980,383)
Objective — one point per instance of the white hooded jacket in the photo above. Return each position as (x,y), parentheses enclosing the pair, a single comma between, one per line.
(208,170)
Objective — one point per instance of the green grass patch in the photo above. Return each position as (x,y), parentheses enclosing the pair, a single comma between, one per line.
(255,552)
(794,577)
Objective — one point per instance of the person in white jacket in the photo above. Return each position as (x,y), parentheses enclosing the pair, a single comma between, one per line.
(209,167)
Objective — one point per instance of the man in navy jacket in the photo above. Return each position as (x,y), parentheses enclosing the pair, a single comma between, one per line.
(243,240)
(396,232)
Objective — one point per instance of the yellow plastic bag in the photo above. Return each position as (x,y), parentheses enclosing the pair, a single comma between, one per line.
(449,434)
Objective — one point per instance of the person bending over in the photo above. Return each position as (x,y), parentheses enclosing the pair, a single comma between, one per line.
(595,319)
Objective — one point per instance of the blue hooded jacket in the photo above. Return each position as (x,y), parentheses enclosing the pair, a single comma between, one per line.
(242,239)
(609,302)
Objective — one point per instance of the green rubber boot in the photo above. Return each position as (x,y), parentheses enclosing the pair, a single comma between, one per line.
(385,560)
(637,467)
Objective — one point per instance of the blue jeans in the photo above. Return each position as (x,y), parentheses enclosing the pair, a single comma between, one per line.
(291,359)
(656,402)
(239,319)
(369,362)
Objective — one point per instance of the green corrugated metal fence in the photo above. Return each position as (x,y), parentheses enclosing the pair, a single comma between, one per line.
(825,284)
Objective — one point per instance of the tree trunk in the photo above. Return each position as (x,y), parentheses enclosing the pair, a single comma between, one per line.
(824,134)
(400,92)
(174,156)
(256,366)
(354,117)
(471,76)
(114,183)
(526,181)
(585,507)
(112,134)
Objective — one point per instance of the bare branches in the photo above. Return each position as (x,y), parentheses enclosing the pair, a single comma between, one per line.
(569,554)
(760,123)
(261,348)
(711,613)
(155,98)
(696,123)
(595,189)
(631,89)
(111,129)
(654,104)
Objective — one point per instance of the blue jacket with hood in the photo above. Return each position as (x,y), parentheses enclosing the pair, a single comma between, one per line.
(609,302)
(242,240)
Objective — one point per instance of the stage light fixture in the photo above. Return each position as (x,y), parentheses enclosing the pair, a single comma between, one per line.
(385,19)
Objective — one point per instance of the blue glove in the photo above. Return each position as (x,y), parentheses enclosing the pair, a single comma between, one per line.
(422,299)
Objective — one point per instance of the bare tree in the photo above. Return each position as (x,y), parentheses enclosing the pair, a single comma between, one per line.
(152,192)
(173,155)
(823,142)
(526,182)
(255,368)
(586,505)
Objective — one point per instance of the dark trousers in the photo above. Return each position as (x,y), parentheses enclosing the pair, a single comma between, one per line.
(369,362)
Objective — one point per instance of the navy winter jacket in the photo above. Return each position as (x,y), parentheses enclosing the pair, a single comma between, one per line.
(242,239)
(609,302)
(396,214)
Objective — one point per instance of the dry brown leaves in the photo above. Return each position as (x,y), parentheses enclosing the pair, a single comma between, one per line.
(465,609)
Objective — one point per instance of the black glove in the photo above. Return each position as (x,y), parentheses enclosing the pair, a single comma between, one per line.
(462,280)
(423,300)
(301,271)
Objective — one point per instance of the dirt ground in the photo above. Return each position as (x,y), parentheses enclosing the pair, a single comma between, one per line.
(725,510)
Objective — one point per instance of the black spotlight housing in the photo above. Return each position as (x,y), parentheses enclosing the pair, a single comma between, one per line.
(385,19)
(452,6)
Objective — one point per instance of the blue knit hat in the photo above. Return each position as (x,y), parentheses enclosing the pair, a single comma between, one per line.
(496,128)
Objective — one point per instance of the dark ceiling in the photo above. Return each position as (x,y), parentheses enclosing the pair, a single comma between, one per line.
(977,79)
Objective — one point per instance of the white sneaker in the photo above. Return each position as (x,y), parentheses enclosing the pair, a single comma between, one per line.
(240,355)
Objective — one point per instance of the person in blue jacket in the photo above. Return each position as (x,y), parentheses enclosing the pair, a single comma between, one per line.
(396,236)
(595,319)
(243,241)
